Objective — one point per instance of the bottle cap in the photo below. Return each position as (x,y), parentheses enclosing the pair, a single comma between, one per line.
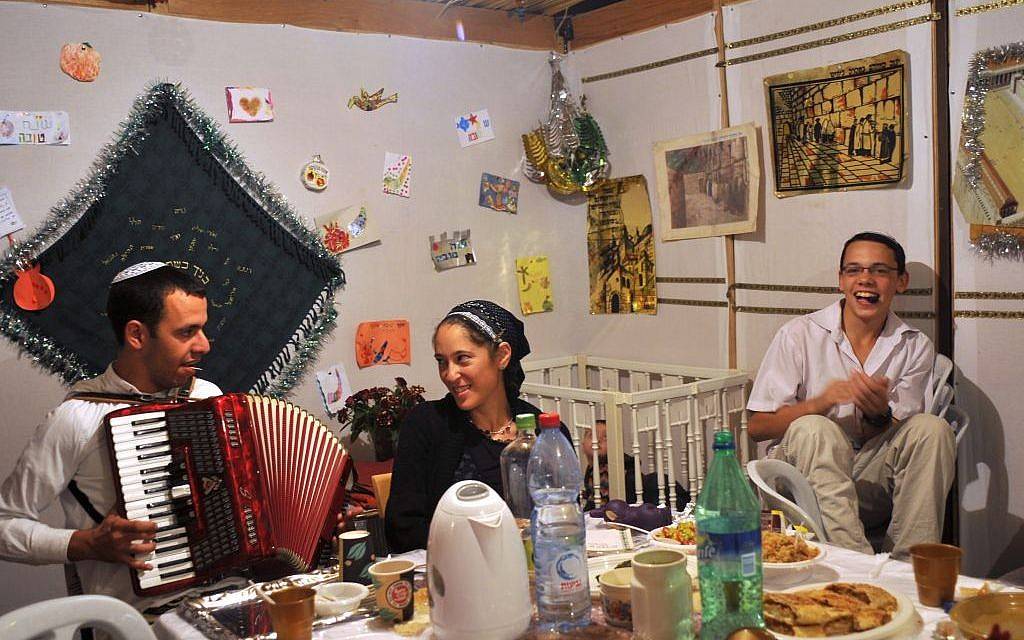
(724,441)
(549,421)
(526,422)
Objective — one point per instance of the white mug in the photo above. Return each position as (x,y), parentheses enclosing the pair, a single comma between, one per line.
(662,596)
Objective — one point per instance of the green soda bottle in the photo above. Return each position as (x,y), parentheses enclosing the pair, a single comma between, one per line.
(728,546)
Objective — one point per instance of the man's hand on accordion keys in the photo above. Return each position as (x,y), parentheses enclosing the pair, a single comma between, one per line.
(115,540)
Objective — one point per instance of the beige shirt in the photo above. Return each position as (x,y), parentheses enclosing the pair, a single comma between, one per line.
(811,351)
(70,445)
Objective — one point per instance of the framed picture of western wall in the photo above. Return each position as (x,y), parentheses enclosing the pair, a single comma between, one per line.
(709,184)
(988,181)
(839,127)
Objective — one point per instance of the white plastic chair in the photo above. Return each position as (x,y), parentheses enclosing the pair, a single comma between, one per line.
(939,397)
(768,474)
(58,619)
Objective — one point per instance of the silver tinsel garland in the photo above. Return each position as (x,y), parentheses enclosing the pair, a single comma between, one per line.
(990,245)
(304,345)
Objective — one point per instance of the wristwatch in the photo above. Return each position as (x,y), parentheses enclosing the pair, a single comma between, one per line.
(881,420)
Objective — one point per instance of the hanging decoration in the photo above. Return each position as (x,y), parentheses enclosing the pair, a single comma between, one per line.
(567,152)
(988,181)
(315,174)
(80,61)
(371,101)
(172,188)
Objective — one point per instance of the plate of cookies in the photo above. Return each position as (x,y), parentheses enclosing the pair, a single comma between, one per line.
(839,611)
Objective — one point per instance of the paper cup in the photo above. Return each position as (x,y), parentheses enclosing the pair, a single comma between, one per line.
(292,613)
(393,581)
(355,555)
(936,568)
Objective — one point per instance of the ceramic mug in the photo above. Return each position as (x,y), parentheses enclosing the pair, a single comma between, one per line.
(616,599)
(355,555)
(662,596)
(393,581)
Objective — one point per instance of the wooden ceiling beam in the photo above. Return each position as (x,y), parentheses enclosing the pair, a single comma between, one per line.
(631,16)
(396,17)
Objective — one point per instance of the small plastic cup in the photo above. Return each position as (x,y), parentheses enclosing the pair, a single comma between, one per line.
(292,613)
(936,569)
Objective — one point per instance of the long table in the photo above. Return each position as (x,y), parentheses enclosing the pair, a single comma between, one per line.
(839,564)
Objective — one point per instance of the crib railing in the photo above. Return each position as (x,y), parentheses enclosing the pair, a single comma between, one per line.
(663,415)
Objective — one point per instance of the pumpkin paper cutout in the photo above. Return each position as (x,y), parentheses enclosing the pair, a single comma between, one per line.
(33,291)
(80,61)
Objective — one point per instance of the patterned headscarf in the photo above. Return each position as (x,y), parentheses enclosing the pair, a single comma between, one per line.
(499,325)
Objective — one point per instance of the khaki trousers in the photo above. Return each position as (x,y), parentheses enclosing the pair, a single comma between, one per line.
(904,472)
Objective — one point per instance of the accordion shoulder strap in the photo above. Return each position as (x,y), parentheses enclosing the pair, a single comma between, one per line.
(84,501)
(123,398)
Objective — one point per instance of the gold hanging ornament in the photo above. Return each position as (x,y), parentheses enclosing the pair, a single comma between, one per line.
(567,152)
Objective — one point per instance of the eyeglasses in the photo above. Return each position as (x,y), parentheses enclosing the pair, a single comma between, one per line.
(881,270)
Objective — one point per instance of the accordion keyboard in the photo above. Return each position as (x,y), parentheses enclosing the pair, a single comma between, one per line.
(155,485)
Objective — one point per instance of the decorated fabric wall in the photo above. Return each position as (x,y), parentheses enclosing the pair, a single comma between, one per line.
(311,76)
(989,348)
(172,189)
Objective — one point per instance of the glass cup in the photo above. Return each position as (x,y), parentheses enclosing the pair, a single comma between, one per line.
(291,613)
(936,568)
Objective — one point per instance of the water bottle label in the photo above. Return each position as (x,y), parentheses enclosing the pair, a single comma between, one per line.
(743,547)
(567,573)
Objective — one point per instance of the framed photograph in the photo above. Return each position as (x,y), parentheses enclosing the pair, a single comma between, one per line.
(709,184)
(839,127)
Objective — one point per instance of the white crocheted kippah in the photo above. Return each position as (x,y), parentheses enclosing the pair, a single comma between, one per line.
(137,270)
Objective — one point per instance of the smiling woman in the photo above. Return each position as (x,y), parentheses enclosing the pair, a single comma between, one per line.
(478,347)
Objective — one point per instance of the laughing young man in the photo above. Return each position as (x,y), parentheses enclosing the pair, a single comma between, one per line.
(841,392)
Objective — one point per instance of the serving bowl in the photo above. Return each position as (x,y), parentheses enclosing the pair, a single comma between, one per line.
(336,598)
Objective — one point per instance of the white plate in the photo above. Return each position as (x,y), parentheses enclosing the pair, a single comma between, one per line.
(660,541)
(903,617)
(782,574)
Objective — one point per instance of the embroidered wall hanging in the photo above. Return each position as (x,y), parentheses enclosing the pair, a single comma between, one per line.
(172,188)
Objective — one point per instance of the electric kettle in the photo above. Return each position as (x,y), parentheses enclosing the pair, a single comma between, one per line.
(476,567)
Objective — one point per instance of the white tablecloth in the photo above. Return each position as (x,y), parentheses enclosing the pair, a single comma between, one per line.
(839,564)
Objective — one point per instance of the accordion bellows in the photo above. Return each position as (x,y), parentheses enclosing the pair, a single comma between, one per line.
(230,481)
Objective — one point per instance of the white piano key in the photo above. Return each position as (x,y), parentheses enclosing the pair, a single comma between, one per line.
(122,434)
(142,491)
(158,472)
(181,491)
(141,457)
(135,418)
(170,534)
(156,580)
(135,505)
(135,443)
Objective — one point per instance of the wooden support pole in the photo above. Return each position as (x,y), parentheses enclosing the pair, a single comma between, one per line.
(942,170)
(730,241)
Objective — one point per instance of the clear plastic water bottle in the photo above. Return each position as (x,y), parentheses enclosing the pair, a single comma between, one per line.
(514,460)
(559,535)
(728,546)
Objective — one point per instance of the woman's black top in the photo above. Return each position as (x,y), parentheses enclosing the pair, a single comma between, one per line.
(437,447)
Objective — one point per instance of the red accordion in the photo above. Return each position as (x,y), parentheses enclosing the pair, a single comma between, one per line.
(230,481)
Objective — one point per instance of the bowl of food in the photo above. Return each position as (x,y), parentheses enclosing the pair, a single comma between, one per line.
(681,536)
(976,617)
(786,559)
(336,598)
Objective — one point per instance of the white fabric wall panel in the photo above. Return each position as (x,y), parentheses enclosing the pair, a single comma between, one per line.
(988,352)
(635,112)
(801,236)
(311,75)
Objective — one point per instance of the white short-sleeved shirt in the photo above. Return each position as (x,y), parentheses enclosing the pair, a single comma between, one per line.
(811,351)
(70,445)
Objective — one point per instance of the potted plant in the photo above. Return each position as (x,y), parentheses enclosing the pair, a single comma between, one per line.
(378,411)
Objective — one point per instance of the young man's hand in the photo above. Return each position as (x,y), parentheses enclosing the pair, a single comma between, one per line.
(837,392)
(870,395)
(345,516)
(114,540)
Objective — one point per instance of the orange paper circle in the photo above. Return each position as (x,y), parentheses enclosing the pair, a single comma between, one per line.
(33,291)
